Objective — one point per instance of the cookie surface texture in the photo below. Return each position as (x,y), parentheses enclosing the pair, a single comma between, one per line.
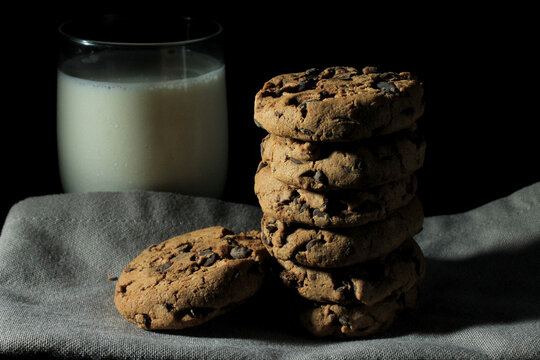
(331,208)
(338,104)
(339,247)
(190,279)
(355,321)
(367,283)
(350,165)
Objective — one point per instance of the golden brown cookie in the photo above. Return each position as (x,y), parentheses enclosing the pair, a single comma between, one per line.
(355,321)
(338,104)
(368,283)
(339,247)
(190,279)
(350,165)
(338,208)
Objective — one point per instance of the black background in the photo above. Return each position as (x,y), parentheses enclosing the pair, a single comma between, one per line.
(478,67)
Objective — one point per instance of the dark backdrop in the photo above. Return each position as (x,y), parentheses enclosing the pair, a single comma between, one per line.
(478,67)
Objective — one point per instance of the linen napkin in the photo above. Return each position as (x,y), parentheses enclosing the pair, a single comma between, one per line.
(60,254)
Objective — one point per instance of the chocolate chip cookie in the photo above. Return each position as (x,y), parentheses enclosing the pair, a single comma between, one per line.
(368,282)
(338,104)
(190,279)
(350,165)
(355,321)
(339,247)
(331,208)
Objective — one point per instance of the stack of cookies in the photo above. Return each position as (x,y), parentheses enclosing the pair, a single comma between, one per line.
(337,187)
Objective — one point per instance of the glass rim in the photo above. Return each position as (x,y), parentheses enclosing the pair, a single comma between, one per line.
(89,42)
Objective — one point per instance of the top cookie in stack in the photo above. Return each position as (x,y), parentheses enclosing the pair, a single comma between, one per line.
(338,104)
(337,187)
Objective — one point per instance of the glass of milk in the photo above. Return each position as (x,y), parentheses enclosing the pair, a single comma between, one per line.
(142,105)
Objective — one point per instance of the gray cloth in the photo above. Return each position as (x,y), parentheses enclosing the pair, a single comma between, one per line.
(480,297)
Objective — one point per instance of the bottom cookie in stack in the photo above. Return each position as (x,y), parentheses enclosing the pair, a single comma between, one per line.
(355,321)
(357,300)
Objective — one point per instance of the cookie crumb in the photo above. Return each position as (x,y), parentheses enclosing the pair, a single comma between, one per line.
(112,278)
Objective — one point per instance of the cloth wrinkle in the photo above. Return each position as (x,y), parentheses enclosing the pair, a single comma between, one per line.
(58,254)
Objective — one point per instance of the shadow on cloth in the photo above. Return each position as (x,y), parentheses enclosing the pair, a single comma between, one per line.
(494,288)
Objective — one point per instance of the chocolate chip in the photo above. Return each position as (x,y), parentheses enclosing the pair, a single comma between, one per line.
(314,242)
(324,94)
(302,86)
(206,252)
(357,168)
(312,71)
(306,131)
(169,307)
(164,267)
(265,239)
(271,228)
(313,276)
(342,289)
(206,258)
(303,107)
(184,247)
(304,104)
(386,87)
(319,213)
(143,320)
(303,208)
(320,177)
(344,320)
(296,161)
(240,252)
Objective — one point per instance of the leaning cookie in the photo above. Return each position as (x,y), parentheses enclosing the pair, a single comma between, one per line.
(350,165)
(368,283)
(332,208)
(355,321)
(339,247)
(338,104)
(190,279)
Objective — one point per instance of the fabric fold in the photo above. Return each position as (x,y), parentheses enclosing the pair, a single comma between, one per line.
(58,254)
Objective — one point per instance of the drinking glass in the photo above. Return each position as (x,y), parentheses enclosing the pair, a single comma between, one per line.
(141,105)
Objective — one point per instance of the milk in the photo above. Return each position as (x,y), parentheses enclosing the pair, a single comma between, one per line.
(144,132)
